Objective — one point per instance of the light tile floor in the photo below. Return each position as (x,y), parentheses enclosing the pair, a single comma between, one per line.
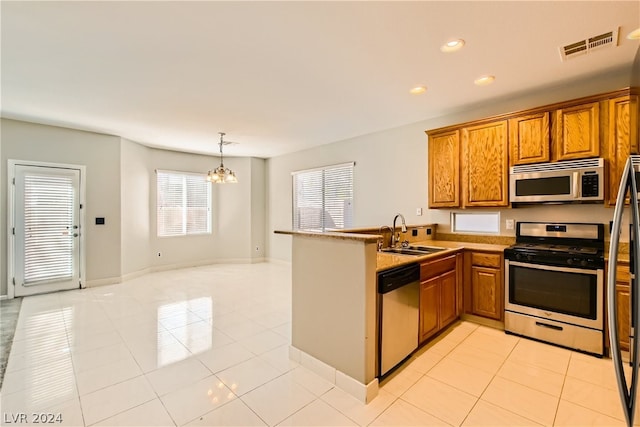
(209,346)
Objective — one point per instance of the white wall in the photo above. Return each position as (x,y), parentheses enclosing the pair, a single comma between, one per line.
(101,156)
(121,187)
(135,214)
(230,240)
(390,175)
(258,209)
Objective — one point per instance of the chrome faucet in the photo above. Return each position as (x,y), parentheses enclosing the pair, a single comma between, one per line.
(381,241)
(395,239)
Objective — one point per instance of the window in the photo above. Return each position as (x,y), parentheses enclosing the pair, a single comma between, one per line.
(184,204)
(475,222)
(323,198)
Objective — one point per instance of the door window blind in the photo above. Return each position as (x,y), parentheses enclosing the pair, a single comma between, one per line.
(49,228)
(323,198)
(183,204)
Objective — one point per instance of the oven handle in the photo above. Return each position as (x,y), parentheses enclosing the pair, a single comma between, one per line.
(546,325)
(553,268)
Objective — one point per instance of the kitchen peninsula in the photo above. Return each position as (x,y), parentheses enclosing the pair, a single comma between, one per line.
(333,311)
(334,302)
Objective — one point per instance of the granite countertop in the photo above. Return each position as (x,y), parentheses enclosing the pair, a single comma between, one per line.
(367,238)
(388,260)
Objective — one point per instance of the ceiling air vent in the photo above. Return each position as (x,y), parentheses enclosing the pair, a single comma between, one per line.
(582,47)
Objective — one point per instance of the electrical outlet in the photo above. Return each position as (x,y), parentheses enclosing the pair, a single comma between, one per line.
(419,211)
(509,224)
(159,253)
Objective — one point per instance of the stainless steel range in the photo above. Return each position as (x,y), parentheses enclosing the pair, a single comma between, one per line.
(554,279)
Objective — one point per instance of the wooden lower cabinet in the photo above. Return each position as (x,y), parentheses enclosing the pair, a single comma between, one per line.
(438,296)
(623,295)
(448,300)
(484,284)
(486,292)
(429,308)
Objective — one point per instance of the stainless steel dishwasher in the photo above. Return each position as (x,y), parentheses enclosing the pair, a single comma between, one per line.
(398,315)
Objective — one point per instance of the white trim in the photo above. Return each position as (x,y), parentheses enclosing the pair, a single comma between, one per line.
(102,282)
(363,392)
(3,297)
(339,165)
(180,172)
(279,261)
(12,163)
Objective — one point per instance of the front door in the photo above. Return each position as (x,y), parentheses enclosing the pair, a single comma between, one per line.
(47,228)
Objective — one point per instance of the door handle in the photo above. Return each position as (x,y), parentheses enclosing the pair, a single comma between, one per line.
(75,234)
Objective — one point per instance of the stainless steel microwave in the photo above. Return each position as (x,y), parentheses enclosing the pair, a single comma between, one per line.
(566,181)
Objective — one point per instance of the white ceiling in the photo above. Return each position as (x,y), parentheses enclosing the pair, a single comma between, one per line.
(283,76)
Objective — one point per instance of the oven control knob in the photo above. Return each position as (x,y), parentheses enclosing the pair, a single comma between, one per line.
(584,263)
(518,256)
(570,261)
(529,257)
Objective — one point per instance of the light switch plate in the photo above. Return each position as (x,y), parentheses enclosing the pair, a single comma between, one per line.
(418,211)
(509,224)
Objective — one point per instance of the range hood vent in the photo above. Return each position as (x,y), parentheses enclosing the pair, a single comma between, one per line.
(582,47)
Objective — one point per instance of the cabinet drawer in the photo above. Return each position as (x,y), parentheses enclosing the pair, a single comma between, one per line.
(435,268)
(486,260)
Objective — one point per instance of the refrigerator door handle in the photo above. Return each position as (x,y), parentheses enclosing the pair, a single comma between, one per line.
(628,393)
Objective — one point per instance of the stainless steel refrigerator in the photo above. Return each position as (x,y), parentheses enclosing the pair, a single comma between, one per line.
(627,381)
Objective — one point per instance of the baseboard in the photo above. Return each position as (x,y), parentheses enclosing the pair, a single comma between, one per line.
(363,392)
(278,261)
(135,274)
(4,297)
(102,282)
(201,263)
(167,267)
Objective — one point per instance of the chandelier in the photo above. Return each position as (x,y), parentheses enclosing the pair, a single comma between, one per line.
(221,175)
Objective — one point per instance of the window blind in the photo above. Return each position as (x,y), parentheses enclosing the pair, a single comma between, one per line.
(323,198)
(183,204)
(48,223)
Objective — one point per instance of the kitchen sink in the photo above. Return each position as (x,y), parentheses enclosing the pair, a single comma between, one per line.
(414,250)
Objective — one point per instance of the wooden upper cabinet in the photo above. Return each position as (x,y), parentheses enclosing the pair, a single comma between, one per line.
(444,161)
(529,139)
(577,132)
(622,139)
(485,165)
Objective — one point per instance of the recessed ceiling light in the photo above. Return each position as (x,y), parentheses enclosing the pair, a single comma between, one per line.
(634,35)
(418,90)
(484,80)
(452,45)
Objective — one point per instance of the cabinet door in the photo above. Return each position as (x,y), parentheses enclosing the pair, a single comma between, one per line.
(622,295)
(444,161)
(448,300)
(485,165)
(529,139)
(577,132)
(429,303)
(486,292)
(622,139)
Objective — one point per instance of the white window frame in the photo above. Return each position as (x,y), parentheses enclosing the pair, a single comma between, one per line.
(486,228)
(347,221)
(184,232)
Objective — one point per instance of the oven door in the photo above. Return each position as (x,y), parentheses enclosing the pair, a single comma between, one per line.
(564,294)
